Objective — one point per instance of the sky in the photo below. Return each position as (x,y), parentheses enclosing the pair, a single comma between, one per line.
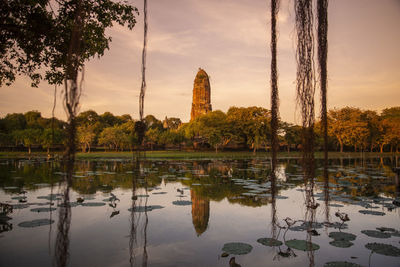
(230,40)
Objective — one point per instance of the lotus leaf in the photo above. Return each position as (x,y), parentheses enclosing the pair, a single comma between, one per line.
(372,212)
(269,242)
(20,206)
(43,209)
(237,248)
(19,197)
(341,236)
(341,243)
(386,229)
(92,204)
(384,249)
(35,223)
(376,234)
(341,264)
(146,208)
(159,193)
(302,245)
(182,202)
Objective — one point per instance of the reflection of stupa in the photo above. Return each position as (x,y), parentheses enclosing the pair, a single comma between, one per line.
(200,212)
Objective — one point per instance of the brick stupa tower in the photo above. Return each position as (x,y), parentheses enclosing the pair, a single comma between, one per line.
(201,95)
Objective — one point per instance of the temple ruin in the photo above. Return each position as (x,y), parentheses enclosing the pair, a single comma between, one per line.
(201,95)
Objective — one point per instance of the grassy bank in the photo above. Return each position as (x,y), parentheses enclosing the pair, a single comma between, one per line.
(195,155)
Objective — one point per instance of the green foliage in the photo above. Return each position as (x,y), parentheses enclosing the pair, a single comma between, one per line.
(36,34)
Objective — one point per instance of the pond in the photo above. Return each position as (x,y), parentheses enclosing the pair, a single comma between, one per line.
(199,213)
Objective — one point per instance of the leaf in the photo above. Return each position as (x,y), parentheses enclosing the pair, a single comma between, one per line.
(372,212)
(36,223)
(43,209)
(341,264)
(376,234)
(341,236)
(269,242)
(384,249)
(237,248)
(302,245)
(341,243)
(182,202)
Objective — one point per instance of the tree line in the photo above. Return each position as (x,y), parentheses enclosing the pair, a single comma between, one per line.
(240,128)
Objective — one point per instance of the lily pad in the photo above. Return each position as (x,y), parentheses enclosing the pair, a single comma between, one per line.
(341,243)
(372,212)
(376,234)
(159,193)
(92,204)
(20,206)
(43,209)
(36,223)
(19,197)
(269,242)
(302,245)
(335,205)
(341,236)
(146,208)
(182,202)
(384,249)
(386,229)
(237,248)
(341,264)
(49,197)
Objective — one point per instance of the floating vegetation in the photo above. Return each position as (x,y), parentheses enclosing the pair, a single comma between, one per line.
(43,209)
(237,248)
(159,193)
(145,208)
(20,206)
(269,242)
(341,236)
(385,229)
(341,264)
(70,204)
(384,249)
(376,234)
(372,212)
(49,197)
(36,223)
(336,205)
(19,197)
(341,243)
(142,195)
(92,204)
(301,245)
(182,202)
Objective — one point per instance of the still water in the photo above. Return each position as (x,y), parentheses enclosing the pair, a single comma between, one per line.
(183,213)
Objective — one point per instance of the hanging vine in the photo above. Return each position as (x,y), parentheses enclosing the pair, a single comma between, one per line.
(322,30)
(274,106)
(305,80)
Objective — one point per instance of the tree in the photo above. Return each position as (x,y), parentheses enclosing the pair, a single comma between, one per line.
(152,122)
(152,136)
(172,123)
(37,34)
(86,136)
(114,137)
(31,137)
(347,126)
(47,139)
(251,124)
(292,135)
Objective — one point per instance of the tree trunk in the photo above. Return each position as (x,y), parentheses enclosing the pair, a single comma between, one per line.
(341,146)
(381,147)
(29,150)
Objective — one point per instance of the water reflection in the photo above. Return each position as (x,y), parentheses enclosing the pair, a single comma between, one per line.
(232,188)
(200,211)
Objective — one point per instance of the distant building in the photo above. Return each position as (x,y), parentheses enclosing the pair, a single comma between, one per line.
(201,95)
